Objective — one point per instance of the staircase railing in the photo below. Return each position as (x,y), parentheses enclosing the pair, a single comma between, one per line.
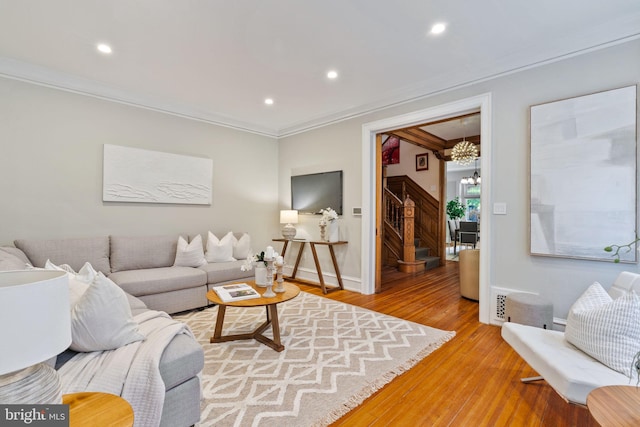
(393,212)
(427,212)
(399,220)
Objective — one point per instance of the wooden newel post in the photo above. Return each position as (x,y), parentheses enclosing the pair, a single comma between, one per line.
(409,249)
(409,264)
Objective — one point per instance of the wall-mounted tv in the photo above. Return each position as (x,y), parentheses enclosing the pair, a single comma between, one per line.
(310,193)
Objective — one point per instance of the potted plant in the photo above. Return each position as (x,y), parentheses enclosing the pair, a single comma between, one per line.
(455,209)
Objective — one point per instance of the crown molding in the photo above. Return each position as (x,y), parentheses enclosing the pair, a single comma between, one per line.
(17,70)
(30,73)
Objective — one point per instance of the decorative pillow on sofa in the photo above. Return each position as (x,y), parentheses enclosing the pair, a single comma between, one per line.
(11,260)
(607,330)
(78,282)
(241,246)
(219,250)
(190,254)
(102,320)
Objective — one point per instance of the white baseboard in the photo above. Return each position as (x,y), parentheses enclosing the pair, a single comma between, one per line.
(350,283)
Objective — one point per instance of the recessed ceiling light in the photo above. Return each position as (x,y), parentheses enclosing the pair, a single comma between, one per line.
(332,74)
(438,28)
(104,48)
(268,101)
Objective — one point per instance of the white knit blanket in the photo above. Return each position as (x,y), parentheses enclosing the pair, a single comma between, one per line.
(130,371)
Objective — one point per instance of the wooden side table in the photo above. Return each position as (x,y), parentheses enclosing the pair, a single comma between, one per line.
(615,405)
(330,245)
(298,257)
(98,409)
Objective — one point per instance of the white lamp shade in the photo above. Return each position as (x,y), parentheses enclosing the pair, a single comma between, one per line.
(35,320)
(288,217)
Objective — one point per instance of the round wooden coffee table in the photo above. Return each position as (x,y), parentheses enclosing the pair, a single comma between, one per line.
(615,405)
(271,305)
(98,409)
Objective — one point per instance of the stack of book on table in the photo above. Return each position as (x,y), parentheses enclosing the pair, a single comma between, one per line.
(236,292)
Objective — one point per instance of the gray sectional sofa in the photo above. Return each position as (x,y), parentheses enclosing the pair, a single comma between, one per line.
(143,268)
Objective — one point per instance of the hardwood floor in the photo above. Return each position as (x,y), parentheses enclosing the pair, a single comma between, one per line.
(473,380)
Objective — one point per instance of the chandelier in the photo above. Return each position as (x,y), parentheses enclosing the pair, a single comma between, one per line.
(472,180)
(464,152)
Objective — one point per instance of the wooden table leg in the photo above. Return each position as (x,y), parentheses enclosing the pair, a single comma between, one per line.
(284,248)
(335,266)
(318,269)
(272,319)
(298,258)
(217,333)
(275,326)
(275,343)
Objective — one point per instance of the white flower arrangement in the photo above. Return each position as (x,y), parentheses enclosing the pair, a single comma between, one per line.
(255,259)
(251,259)
(328,215)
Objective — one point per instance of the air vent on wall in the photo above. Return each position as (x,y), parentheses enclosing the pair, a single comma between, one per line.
(500,306)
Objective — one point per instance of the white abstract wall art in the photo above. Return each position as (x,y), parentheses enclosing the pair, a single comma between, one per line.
(145,176)
(583,175)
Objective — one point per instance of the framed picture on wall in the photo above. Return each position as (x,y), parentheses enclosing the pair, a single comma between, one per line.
(583,175)
(422,162)
(391,151)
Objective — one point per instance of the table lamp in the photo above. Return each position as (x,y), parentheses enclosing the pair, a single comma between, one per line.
(35,325)
(289,218)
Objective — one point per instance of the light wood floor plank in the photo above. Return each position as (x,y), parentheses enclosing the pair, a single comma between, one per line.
(473,380)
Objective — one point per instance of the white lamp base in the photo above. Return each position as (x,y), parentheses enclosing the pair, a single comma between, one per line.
(38,384)
(288,231)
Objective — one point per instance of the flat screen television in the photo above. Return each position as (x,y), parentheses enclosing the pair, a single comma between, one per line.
(310,193)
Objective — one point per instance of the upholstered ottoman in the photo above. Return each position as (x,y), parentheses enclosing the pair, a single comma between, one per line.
(470,274)
(529,309)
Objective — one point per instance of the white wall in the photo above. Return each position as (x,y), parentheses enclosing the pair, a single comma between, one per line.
(326,149)
(51,169)
(511,266)
(427,179)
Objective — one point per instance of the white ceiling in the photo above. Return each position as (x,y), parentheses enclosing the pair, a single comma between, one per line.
(218,60)
(455,128)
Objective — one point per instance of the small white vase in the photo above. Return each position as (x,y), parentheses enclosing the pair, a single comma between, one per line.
(333,231)
(261,274)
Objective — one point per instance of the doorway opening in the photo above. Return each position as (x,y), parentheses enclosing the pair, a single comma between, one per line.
(372,182)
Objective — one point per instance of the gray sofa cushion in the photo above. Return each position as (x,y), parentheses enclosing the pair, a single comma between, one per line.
(158,280)
(12,259)
(137,306)
(134,253)
(218,272)
(74,252)
(182,359)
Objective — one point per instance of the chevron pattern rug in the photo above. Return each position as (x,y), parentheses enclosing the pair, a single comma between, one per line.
(336,355)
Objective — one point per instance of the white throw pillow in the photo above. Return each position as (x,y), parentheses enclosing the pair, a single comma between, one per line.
(78,282)
(219,250)
(241,246)
(62,267)
(607,330)
(102,320)
(190,254)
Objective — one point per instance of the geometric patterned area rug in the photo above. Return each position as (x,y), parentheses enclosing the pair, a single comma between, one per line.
(336,355)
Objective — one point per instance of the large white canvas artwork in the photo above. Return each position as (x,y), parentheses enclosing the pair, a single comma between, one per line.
(145,176)
(583,175)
